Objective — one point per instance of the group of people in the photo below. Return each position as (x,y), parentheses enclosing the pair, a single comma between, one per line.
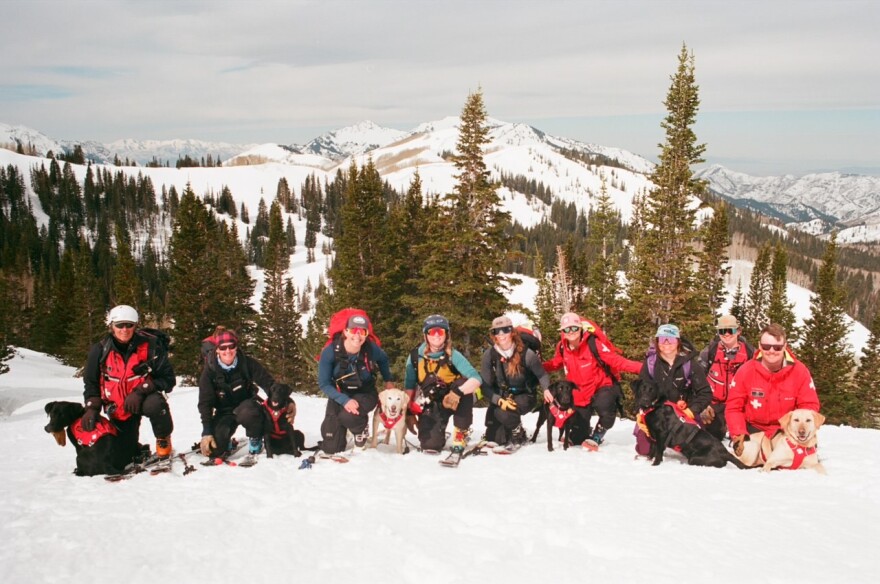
(729,389)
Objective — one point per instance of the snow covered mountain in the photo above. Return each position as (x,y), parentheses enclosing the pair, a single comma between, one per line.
(815,203)
(352,140)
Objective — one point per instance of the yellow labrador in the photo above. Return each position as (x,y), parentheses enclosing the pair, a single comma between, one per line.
(391,413)
(796,446)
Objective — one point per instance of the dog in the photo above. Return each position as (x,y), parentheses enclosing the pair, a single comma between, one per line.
(98,452)
(557,414)
(668,429)
(391,412)
(796,446)
(280,436)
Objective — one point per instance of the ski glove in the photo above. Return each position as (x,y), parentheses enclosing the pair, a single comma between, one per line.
(707,415)
(133,402)
(684,407)
(507,404)
(207,445)
(90,417)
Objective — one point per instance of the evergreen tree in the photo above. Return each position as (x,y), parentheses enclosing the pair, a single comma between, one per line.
(127,288)
(547,318)
(602,303)
(867,380)
(779,309)
(713,269)
(825,350)
(86,309)
(662,280)
(465,242)
(757,303)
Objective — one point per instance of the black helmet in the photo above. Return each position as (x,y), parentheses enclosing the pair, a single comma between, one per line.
(435,320)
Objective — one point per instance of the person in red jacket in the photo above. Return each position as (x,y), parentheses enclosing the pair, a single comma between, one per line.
(726,353)
(596,391)
(772,384)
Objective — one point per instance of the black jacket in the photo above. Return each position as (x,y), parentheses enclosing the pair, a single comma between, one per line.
(673,383)
(220,391)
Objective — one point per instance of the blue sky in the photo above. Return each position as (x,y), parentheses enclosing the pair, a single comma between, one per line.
(785,86)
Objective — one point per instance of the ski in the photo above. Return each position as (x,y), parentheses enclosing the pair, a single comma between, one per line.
(248,461)
(591,445)
(507,449)
(133,469)
(162,466)
(477,449)
(452,460)
(334,457)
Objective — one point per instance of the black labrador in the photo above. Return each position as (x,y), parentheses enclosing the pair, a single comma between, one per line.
(280,437)
(98,452)
(668,430)
(560,410)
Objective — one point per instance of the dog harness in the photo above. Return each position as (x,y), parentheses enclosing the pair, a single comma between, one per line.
(560,416)
(275,415)
(102,428)
(389,422)
(800,453)
(680,414)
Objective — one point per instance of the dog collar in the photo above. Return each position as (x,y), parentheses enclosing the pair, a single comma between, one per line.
(389,422)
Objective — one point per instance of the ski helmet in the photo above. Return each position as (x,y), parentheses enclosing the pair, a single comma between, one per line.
(122,313)
(435,320)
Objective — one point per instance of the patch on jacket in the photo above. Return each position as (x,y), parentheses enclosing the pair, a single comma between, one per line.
(757,393)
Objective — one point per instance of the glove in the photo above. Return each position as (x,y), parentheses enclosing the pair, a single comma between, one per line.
(207,445)
(684,407)
(507,404)
(707,415)
(738,443)
(415,407)
(291,413)
(451,399)
(90,417)
(133,402)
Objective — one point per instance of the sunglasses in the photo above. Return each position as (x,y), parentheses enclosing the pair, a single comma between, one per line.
(769,347)
(667,340)
(230,347)
(358,331)
(727,331)
(501,330)
(123,325)
(572,329)
(436,331)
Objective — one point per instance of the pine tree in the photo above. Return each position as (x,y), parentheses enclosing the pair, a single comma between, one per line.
(825,350)
(867,380)
(86,309)
(127,287)
(547,319)
(602,303)
(662,280)
(465,243)
(779,309)
(757,303)
(713,269)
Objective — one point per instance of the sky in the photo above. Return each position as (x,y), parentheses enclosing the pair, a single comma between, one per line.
(785,87)
(535,516)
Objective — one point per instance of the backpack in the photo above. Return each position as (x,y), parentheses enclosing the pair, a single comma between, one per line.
(651,359)
(338,322)
(155,338)
(712,350)
(529,340)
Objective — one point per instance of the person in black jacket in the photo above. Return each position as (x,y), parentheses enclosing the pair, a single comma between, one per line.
(127,373)
(674,366)
(229,394)
(510,373)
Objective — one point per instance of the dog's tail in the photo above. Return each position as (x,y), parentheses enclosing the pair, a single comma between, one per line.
(729,456)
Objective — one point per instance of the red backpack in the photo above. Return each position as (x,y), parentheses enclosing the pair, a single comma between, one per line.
(340,319)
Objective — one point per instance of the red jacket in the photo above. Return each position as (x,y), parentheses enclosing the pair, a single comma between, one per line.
(759,397)
(721,372)
(118,378)
(582,369)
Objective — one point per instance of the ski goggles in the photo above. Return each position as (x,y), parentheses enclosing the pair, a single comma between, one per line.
(229,347)
(358,331)
(772,347)
(123,325)
(436,331)
(667,340)
(572,329)
(727,331)
(501,330)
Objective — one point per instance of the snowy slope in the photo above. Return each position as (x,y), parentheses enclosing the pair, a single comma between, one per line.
(566,517)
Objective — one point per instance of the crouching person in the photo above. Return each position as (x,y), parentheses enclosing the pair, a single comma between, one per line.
(229,395)
(126,373)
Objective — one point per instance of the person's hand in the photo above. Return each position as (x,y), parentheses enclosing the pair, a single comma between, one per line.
(90,418)
(707,415)
(738,443)
(207,445)
(291,413)
(352,407)
(450,400)
(133,402)
(507,404)
(548,397)
(684,407)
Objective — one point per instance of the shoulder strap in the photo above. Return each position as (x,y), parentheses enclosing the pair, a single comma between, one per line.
(711,352)
(591,342)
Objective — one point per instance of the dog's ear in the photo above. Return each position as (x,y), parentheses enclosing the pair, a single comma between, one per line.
(49,407)
(785,420)
(404,404)
(382,395)
(820,419)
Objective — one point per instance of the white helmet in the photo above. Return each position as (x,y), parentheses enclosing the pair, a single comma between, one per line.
(122,313)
